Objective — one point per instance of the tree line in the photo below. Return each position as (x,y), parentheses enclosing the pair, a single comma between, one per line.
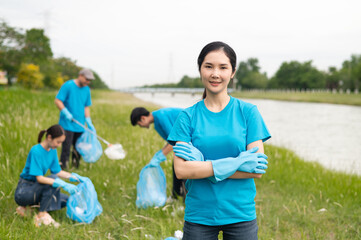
(290,75)
(27,57)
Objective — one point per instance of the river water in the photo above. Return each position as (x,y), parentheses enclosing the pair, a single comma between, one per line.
(327,133)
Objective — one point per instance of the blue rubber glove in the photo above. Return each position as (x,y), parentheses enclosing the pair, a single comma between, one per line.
(70,188)
(226,167)
(157,159)
(88,121)
(254,162)
(188,152)
(74,177)
(65,112)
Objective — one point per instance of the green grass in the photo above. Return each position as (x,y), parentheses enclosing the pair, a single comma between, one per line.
(319,97)
(289,196)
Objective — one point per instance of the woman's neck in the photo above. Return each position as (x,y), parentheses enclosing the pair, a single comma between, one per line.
(216,102)
(45,145)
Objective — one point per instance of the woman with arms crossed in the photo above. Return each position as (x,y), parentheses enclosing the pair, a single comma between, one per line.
(219,149)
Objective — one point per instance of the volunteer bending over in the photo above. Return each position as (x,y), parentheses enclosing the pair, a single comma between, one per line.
(220,151)
(34,188)
(163,120)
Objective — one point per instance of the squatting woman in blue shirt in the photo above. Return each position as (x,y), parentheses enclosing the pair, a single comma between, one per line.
(34,188)
(219,149)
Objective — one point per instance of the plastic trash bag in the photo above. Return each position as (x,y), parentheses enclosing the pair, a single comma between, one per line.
(115,151)
(83,206)
(89,147)
(151,187)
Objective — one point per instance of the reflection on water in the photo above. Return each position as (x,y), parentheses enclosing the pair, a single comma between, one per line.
(327,133)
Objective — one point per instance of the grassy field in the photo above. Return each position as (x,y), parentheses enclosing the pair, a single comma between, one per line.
(320,97)
(295,199)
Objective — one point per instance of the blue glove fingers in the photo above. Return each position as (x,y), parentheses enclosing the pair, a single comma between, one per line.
(74,177)
(262,166)
(262,155)
(66,114)
(70,188)
(259,171)
(183,155)
(182,148)
(263,161)
(183,144)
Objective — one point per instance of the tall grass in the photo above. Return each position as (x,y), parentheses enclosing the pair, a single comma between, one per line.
(295,200)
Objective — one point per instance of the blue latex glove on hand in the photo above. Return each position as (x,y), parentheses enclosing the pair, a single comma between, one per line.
(89,123)
(253,162)
(226,167)
(65,112)
(74,177)
(188,152)
(157,159)
(70,188)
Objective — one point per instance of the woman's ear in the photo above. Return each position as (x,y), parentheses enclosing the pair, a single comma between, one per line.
(49,137)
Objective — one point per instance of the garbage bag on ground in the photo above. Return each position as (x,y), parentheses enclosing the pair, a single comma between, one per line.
(83,206)
(89,147)
(151,187)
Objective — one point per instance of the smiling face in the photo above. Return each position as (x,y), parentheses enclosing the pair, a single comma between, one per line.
(216,72)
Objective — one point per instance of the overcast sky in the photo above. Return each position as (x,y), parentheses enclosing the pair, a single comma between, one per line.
(133,43)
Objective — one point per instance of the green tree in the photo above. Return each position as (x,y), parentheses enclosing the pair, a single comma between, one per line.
(298,75)
(249,76)
(332,78)
(255,80)
(67,67)
(351,73)
(11,44)
(37,48)
(189,82)
(98,83)
(30,77)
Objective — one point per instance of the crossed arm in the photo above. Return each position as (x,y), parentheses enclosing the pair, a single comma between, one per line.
(198,170)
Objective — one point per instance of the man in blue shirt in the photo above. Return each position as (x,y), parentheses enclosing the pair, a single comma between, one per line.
(163,120)
(73,100)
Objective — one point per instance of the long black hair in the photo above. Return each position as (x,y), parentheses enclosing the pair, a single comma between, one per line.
(213,46)
(54,131)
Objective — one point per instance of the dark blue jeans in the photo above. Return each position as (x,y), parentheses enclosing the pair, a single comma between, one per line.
(30,193)
(235,231)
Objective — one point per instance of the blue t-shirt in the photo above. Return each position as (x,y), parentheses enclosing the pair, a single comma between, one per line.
(164,120)
(220,135)
(75,99)
(39,161)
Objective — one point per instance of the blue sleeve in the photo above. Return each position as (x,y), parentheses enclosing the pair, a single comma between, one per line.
(181,130)
(88,102)
(55,167)
(35,164)
(63,92)
(256,127)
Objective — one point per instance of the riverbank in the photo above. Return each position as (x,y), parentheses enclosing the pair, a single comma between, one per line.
(295,199)
(319,97)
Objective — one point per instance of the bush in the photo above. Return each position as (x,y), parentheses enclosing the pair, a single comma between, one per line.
(30,77)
